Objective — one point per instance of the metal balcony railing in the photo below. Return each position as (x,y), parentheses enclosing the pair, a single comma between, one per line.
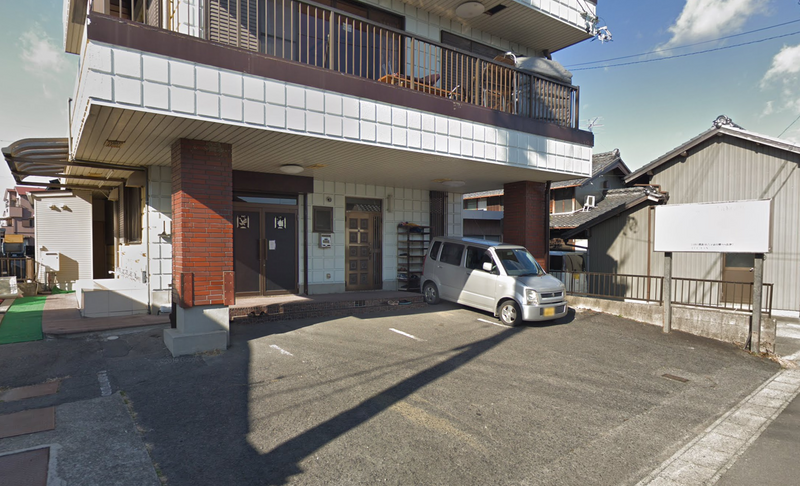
(324,37)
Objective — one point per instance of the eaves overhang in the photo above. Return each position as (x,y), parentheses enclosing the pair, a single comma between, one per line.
(708,134)
(31,159)
(74,24)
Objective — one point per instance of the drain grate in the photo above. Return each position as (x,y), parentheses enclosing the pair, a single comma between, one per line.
(675,378)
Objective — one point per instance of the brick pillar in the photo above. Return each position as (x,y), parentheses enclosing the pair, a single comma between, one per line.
(202,245)
(202,224)
(526,217)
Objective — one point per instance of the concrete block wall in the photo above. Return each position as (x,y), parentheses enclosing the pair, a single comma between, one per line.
(158,212)
(728,326)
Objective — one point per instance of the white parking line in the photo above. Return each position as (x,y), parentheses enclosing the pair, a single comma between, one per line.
(105,385)
(493,323)
(283,351)
(405,334)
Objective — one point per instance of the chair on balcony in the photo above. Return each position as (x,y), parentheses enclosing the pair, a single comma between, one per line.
(498,84)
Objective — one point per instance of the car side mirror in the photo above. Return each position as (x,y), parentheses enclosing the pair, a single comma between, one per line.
(487,267)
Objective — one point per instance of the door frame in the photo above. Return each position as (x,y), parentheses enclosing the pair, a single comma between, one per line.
(377,253)
(271,208)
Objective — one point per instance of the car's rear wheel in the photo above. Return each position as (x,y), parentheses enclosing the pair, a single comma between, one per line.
(430,293)
(509,313)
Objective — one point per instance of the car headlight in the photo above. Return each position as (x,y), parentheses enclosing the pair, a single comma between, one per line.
(531,297)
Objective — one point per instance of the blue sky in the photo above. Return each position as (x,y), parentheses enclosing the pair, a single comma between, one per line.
(644,109)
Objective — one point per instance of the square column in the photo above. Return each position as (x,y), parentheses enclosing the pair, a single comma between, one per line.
(202,246)
(526,218)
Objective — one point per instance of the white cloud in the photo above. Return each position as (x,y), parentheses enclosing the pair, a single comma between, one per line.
(785,66)
(42,57)
(783,79)
(709,19)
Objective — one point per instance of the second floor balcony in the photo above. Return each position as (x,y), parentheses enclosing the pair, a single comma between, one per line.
(376,48)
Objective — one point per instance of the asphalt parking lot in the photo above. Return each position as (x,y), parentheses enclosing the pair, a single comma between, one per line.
(446,397)
(442,395)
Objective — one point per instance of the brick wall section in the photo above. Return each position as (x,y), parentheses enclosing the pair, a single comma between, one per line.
(202,224)
(526,216)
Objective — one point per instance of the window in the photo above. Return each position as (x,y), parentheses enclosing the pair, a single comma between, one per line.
(451,253)
(323,219)
(562,200)
(435,250)
(476,257)
(458,72)
(131,215)
(470,204)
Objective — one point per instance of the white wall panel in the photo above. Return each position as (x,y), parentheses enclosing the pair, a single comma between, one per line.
(220,96)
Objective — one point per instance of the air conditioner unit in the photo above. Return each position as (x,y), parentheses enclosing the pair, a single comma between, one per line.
(589,204)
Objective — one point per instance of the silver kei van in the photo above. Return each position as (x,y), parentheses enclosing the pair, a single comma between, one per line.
(503,279)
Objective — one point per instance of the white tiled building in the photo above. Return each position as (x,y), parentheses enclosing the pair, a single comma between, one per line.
(338,118)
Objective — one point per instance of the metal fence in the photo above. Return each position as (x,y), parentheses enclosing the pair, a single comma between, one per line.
(321,36)
(22,268)
(712,294)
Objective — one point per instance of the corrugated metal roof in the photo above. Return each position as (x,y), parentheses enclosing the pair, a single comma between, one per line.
(715,131)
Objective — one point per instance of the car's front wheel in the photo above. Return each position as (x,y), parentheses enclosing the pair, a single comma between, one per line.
(509,313)
(430,293)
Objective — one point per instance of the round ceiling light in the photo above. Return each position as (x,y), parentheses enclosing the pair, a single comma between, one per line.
(453,183)
(291,169)
(469,10)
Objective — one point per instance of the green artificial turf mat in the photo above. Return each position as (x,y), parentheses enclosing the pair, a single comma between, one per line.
(23,320)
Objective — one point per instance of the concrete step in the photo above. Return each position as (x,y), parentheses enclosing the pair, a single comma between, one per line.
(339,308)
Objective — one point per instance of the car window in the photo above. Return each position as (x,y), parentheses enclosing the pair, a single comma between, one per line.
(476,257)
(518,262)
(434,254)
(451,253)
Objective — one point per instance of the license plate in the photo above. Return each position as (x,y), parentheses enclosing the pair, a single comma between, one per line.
(549,311)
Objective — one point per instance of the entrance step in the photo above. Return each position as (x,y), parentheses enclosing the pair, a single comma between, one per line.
(364,304)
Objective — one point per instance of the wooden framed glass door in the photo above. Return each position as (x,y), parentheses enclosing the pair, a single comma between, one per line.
(363,250)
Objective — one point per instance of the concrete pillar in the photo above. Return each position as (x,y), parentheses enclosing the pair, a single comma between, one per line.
(202,246)
(526,218)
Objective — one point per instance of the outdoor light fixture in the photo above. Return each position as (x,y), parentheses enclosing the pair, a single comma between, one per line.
(453,183)
(470,10)
(291,169)
(54,207)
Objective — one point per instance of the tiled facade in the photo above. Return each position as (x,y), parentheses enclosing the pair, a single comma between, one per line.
(114,76)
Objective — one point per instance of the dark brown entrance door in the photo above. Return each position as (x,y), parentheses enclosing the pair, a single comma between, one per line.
(264,250)
(363,251)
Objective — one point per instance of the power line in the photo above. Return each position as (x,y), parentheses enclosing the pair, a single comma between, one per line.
(687,54)
(790,125)
(685,45)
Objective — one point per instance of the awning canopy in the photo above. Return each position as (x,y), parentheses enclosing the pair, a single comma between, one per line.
(33,159)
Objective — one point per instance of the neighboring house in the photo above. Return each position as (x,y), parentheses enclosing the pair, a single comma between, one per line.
(18,220)
(724,163)
(571,201)
(228,153)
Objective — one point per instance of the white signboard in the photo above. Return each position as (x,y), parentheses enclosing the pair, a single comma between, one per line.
(724,227)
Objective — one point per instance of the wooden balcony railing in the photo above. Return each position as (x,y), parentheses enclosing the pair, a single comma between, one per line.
(321,36)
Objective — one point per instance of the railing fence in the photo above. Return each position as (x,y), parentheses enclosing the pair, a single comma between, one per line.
(712,294)
(328,38)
